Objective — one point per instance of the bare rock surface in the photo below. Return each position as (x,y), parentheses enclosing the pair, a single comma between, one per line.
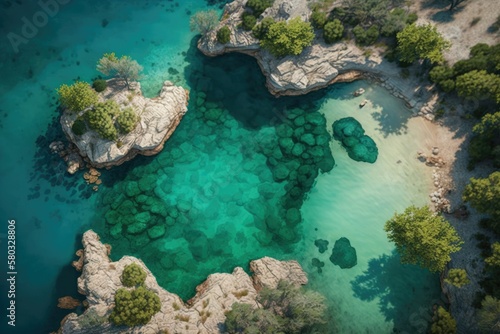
(159,118)
(204,313)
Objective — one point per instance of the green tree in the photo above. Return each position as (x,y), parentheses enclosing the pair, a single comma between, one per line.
(394,22)
(494,259)
(124,68)
(421,42)
(79,127)
(484,194)
(288,38)
(318,18)
(259,6)
(77,96)
(333,31)
(457,277)
(134,307)
(243,318)
(423,238)
(100,119)
(489,315)
(443,322)
(478,85)
(99,85)
(485,143)
(223,35)
(261,29)
(133,275)
(204,21)
(365,36)
(248,21)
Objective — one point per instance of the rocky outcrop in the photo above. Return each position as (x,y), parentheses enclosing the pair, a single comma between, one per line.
(318,66)
(159,118)
(204,313)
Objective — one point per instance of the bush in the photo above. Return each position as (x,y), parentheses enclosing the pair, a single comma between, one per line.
(421,42)
(100,85)
(365,37)
(286,309)
(90,319)
(248,21)
(124,68)
(394,22)
(411,18)
(261,29)
(288,38)
(333,31)
(204,21)
(443,322)
(100,119)
(457,277)
(133,275)
(223,35)
(318,18)
(259,6)
(79,127)
(489,315)
(77,97)
(135,307)
(127,120)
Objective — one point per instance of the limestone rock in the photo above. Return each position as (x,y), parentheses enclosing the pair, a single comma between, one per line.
(202,314)
(159,118)
(68,303)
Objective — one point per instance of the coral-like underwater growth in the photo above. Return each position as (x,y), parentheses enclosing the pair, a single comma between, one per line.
(351,134)
(343,254)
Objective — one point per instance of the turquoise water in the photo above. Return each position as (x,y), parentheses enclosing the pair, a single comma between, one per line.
(213,189)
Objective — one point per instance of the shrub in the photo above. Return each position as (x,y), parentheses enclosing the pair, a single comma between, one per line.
(248,21)
(443,322)
(489,315)
(394,22)
(411,18)
(457,277)
(204,21)
(421,42)
(134,307)
(77,97)
(133,275)
(99,85)
(79,127)
(440,73)
(100,119)
(127,120)
(365,37)
(243,318)
(90,319)
(333,31)
(288,38)
(261,29)
(494,259)
(318,18)
(223,35)
(259,6)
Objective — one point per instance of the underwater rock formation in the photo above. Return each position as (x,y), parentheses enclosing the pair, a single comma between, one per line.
(159,118)
(321,244)
(318,66)
(204,313)
(318,264)
(343,254)
(359,146)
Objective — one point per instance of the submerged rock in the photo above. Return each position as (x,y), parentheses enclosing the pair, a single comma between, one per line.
(343,254)
(101,278)
(352,136)
(318,264)
(159,118)
(322,245)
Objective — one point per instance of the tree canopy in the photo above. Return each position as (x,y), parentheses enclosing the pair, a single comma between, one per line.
(443,322)
(77,96)
(478,85)
(288,38)
(484,194)
(204,21)
(134,307)
(286,309)
(124,68)
(494,259)
(421,42)
(423,238)
(457,277)
(133,275)
(489,315)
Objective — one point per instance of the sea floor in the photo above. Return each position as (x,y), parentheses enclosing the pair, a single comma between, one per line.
(211,199)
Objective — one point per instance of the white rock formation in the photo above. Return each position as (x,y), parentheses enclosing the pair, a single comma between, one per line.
(159,118)
(204,313)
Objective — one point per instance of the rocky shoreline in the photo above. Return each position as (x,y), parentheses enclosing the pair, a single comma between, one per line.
(159,118)
(204,313)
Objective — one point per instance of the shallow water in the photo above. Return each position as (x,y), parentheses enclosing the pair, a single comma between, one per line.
(216,172)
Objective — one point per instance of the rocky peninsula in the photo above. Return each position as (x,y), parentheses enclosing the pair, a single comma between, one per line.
(159,117)
(204,313)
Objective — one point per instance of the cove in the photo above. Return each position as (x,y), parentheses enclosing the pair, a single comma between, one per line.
(209,173)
